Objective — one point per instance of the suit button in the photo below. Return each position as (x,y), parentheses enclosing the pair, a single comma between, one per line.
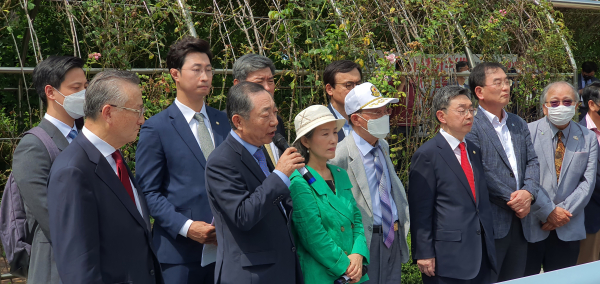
(352,226)
(293,249)
(512,175)
(479,232)
(343,229)
(370,228)
(152,272)
(477,211)
(346,252)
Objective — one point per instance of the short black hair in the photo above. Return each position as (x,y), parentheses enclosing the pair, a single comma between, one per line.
(589,66)
(341,66)
(180,49)
(238,100)
(591,92)
(478,75)
(52,72)
(461,64)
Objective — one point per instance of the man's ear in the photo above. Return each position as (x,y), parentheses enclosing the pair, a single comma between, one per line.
(235,81)
(237,121)
(329,90)
(479,92)
(175,74)
(50,93)
(441,116)
(106,113)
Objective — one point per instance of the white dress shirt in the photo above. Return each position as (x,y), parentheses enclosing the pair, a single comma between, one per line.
(188,114)
(106,150)
(505,139)
(454,145)
(368,160)
(62,127)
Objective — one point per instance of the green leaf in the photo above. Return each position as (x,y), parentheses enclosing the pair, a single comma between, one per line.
(30,6)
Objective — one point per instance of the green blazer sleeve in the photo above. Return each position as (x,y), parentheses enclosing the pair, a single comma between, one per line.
(311,232)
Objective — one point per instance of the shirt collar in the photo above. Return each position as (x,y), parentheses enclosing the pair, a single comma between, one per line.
(251,148)
(493,118)
(451,139)
(189,113)
(555,130)
(62,127)
(338,115)
(363,146)
(590,123)
(102,146)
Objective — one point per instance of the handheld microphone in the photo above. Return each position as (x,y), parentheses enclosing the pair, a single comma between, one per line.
(345,279)
(282,145)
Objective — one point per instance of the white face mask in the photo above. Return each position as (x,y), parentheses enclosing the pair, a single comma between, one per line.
(378,127)
(73,104)
(561,115)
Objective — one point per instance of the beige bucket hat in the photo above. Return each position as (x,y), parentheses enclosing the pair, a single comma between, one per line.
(313,116)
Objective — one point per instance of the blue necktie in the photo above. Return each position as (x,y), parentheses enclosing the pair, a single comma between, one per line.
(72,134)
(386,208)
(262,161)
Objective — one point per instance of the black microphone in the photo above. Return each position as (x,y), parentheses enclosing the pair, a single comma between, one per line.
(282,145)
(345,279)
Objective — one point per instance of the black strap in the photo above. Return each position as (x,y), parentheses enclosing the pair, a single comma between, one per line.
(31,234)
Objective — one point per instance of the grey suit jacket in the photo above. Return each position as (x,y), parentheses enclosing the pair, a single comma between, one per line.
(500,177)
(577,176)
(347,156)
(31,167)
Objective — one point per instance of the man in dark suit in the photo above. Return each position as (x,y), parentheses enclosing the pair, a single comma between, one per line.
(589,249)
(512,171)
(451,215)
(249,197)
(260,70)
(54,76)
(584,79)
(171,159)
(99,220)
(339,78)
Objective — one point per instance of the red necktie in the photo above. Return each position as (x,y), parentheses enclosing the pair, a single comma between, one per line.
(122,173)
(464,163)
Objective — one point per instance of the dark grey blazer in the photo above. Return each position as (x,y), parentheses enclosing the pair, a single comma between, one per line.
(500,177)
(31,167)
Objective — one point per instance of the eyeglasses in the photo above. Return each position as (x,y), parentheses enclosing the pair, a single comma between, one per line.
(349,85)
(506,82)
(139,111)
(387,111)
(472,111)
(209,71)
(556,103)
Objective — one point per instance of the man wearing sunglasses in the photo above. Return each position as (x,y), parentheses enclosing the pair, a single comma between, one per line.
(511,169)
(171,159)
(340,77)
(567,156)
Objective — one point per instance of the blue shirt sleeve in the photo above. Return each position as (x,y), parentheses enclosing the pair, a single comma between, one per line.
(283,177)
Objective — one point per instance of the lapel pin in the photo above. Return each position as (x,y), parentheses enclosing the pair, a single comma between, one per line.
(575,137)
(542,133)
(338,170)
(512,124)
(474,152)
(217,123)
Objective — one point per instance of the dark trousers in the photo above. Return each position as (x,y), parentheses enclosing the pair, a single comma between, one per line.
(483,277)
(551,253)
(188,273)
(511,253)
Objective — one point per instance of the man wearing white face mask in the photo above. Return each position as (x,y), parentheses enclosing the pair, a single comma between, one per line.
(60,82)
(379,194)
(567,153)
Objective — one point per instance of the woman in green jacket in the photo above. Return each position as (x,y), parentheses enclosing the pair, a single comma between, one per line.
(327,225)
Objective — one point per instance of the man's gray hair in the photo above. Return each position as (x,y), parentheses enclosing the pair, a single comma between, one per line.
(249,63)
(238,100)
(106,88)
(551,85)
(441,99)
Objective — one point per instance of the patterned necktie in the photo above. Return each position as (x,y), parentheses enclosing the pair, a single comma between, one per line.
(464,163)
(559,154)
(123,174)
(262,161)
(270,151)
(386,208)
(72,134)
(206,143)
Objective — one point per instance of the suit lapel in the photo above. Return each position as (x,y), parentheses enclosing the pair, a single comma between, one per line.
(110,178)
(448,155)
(341,134)
(322,188)
(141,199)
(545,136)
(247,158)
(183,128)
(489,130)
(572,146)
(516,138)
(60,141)
(216,126)
(358,168)
(477,175)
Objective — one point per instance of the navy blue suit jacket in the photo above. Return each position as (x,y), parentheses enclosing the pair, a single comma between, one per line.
(253,232)
(341,134)
(445,221)
(98,235)
(170,169)
(592,210)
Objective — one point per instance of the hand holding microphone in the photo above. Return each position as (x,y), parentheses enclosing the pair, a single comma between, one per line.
(283,146)
(290,160)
